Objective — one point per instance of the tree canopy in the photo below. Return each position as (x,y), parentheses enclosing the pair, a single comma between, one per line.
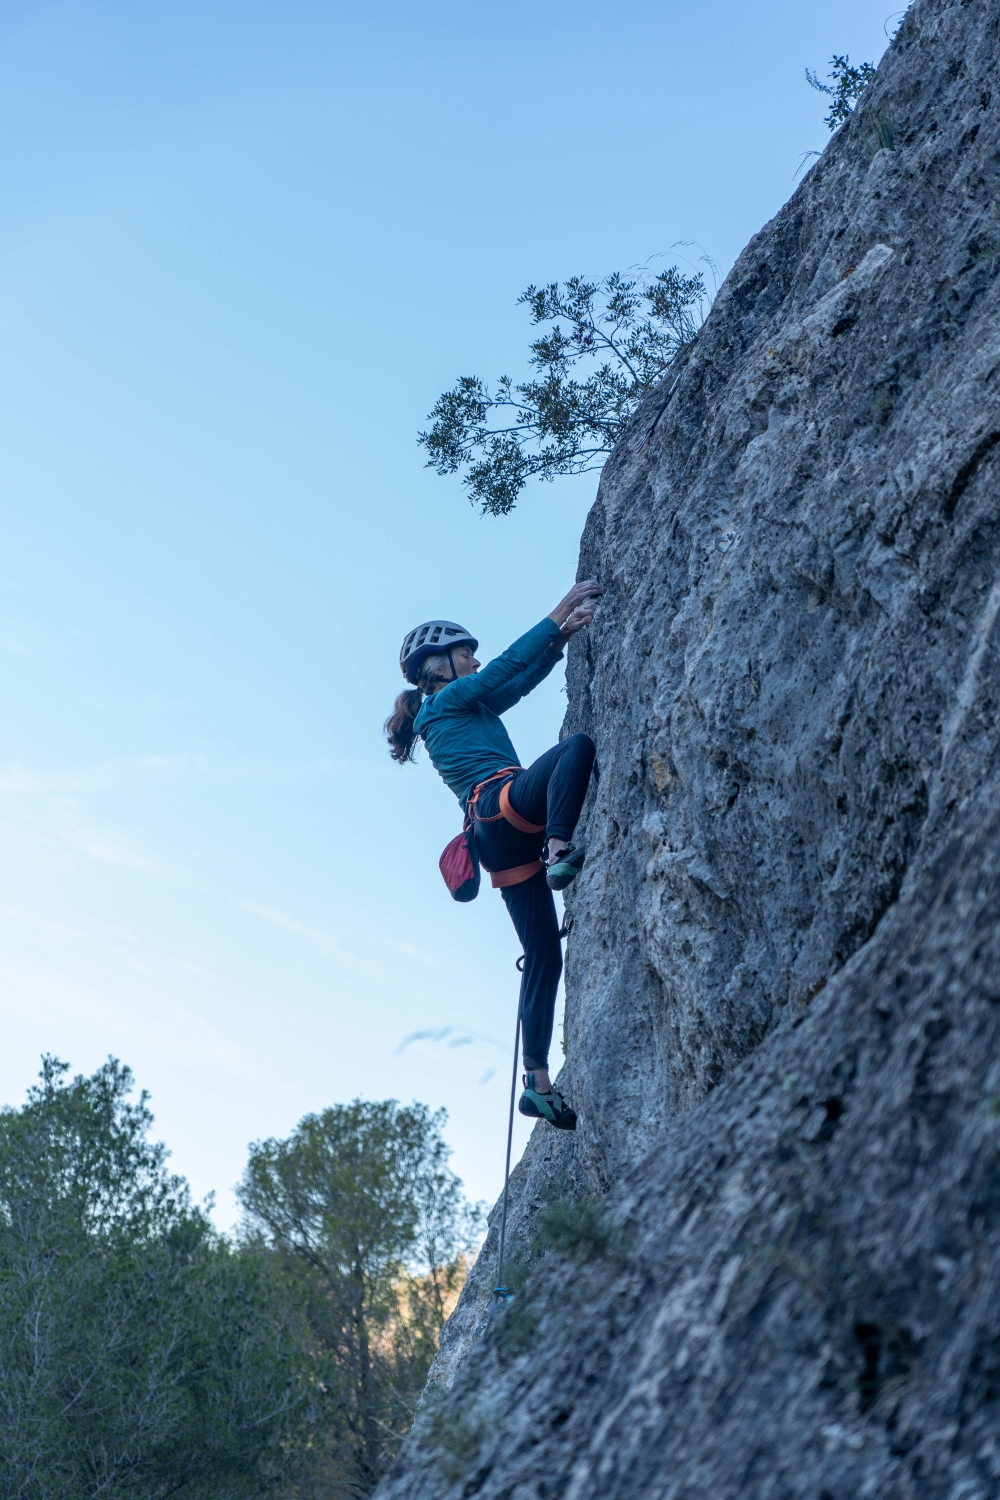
(362,1206)
(630,327)
(138,1354)
(633,327)
(143,1355)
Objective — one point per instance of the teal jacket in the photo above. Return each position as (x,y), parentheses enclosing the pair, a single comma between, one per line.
(460,725)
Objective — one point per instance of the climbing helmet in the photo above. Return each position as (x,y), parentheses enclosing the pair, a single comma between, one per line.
(427,640)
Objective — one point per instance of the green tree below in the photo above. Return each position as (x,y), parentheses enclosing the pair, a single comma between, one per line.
(139,1356)
(368,1220)
(142,1355)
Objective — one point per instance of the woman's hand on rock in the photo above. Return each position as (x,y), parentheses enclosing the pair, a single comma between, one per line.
(577,609)
(578,619)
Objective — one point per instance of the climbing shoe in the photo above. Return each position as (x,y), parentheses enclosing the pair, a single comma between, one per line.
(551,1106)
(565,867)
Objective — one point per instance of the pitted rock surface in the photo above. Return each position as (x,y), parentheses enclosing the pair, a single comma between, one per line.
(783,982)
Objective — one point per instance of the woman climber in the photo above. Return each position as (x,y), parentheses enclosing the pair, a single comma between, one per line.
(522,820)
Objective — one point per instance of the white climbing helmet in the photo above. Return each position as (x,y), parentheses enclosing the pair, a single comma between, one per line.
(427,640)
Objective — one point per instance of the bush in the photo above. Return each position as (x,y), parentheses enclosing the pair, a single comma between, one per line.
(845,88)
(578,1227)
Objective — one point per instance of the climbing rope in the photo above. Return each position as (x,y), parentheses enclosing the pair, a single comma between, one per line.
(500,1291)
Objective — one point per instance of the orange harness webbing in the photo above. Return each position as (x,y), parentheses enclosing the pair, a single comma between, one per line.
(506,811)
(518,873)
(515,875)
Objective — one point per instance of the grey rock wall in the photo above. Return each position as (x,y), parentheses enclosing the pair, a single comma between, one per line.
(783,983)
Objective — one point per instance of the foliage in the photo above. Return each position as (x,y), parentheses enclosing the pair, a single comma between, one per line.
(516,1323)
(634,326)
(141,1355)
(845,88)
(579,1227)
(882,137)
(455,1435)
(885,399)
(138,1355)
(367,1218)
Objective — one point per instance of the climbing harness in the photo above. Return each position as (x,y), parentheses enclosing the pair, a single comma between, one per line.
(459,863)
(500,879)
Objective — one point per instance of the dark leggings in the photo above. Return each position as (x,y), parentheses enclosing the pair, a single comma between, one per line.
(549,792)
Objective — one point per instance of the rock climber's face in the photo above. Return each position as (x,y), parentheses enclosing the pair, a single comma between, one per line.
(465,661)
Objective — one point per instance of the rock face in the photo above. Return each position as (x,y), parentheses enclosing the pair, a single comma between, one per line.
(783,985)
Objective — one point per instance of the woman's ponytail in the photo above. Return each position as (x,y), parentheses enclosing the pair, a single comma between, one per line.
(399,725)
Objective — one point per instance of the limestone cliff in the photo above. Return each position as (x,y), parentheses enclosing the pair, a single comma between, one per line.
(783,988)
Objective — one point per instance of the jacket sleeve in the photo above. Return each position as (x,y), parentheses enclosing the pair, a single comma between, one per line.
(518,687)
(516,661)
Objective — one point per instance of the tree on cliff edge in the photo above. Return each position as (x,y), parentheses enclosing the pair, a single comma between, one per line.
(845,88)
(634,327)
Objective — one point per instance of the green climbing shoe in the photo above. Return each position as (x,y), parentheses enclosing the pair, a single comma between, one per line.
(566,867)
(551,1106)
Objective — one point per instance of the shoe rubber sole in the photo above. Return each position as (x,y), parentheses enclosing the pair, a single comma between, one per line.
(565,1118)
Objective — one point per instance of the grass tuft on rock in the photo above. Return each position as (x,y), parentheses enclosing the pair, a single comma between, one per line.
(578,1227)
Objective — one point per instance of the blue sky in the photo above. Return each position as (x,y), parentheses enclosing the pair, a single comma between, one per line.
(244,247)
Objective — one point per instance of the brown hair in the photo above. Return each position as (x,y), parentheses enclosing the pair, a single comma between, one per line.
(399,725)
